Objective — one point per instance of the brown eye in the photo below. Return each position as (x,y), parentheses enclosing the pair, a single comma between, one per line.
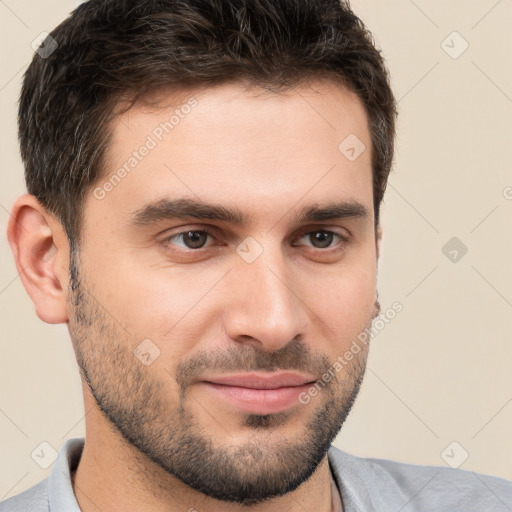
(322,239)
(193,239)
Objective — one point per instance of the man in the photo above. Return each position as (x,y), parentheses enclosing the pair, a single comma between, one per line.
(204,185)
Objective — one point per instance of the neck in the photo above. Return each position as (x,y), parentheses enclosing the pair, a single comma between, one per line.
(114,475)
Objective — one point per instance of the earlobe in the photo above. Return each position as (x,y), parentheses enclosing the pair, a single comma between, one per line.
(41,252)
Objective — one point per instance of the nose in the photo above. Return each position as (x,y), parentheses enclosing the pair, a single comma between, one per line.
(265,309)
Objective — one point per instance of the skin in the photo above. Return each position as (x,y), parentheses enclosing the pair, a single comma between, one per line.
(210,312)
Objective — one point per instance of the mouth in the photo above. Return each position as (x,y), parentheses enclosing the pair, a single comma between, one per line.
(259,393)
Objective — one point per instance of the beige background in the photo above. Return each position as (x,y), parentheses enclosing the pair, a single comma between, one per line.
(440,371)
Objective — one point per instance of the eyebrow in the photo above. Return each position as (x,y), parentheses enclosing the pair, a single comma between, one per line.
(167,209)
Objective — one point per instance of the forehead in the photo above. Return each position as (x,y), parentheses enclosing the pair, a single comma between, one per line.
(242,146)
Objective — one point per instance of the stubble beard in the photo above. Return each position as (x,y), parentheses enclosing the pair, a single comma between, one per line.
(136,403)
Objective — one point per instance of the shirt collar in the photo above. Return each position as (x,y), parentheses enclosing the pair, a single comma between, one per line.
(349,478)
(61,497)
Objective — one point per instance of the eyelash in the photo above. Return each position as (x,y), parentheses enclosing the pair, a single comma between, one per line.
(343,239)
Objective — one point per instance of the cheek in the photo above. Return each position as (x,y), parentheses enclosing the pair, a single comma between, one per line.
(349,302)
(346,294)
(345,308)
(172,309)
(358,288)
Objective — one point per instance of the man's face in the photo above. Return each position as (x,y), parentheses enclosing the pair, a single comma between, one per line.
(161,310)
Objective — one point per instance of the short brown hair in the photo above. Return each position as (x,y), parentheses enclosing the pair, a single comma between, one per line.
(110,48)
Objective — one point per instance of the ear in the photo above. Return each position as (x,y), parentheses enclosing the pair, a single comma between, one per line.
(41,252)
(378,239)
(378,243)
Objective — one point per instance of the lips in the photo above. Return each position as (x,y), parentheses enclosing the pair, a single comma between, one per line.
(259,393)
(262,381)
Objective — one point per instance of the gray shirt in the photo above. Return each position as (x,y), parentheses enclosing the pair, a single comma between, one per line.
(365,485)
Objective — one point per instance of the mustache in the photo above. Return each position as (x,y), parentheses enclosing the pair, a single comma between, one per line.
(295,356)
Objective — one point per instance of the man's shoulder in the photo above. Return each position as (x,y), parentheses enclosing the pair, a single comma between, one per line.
(421,488)
(54,492)
(34,499)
